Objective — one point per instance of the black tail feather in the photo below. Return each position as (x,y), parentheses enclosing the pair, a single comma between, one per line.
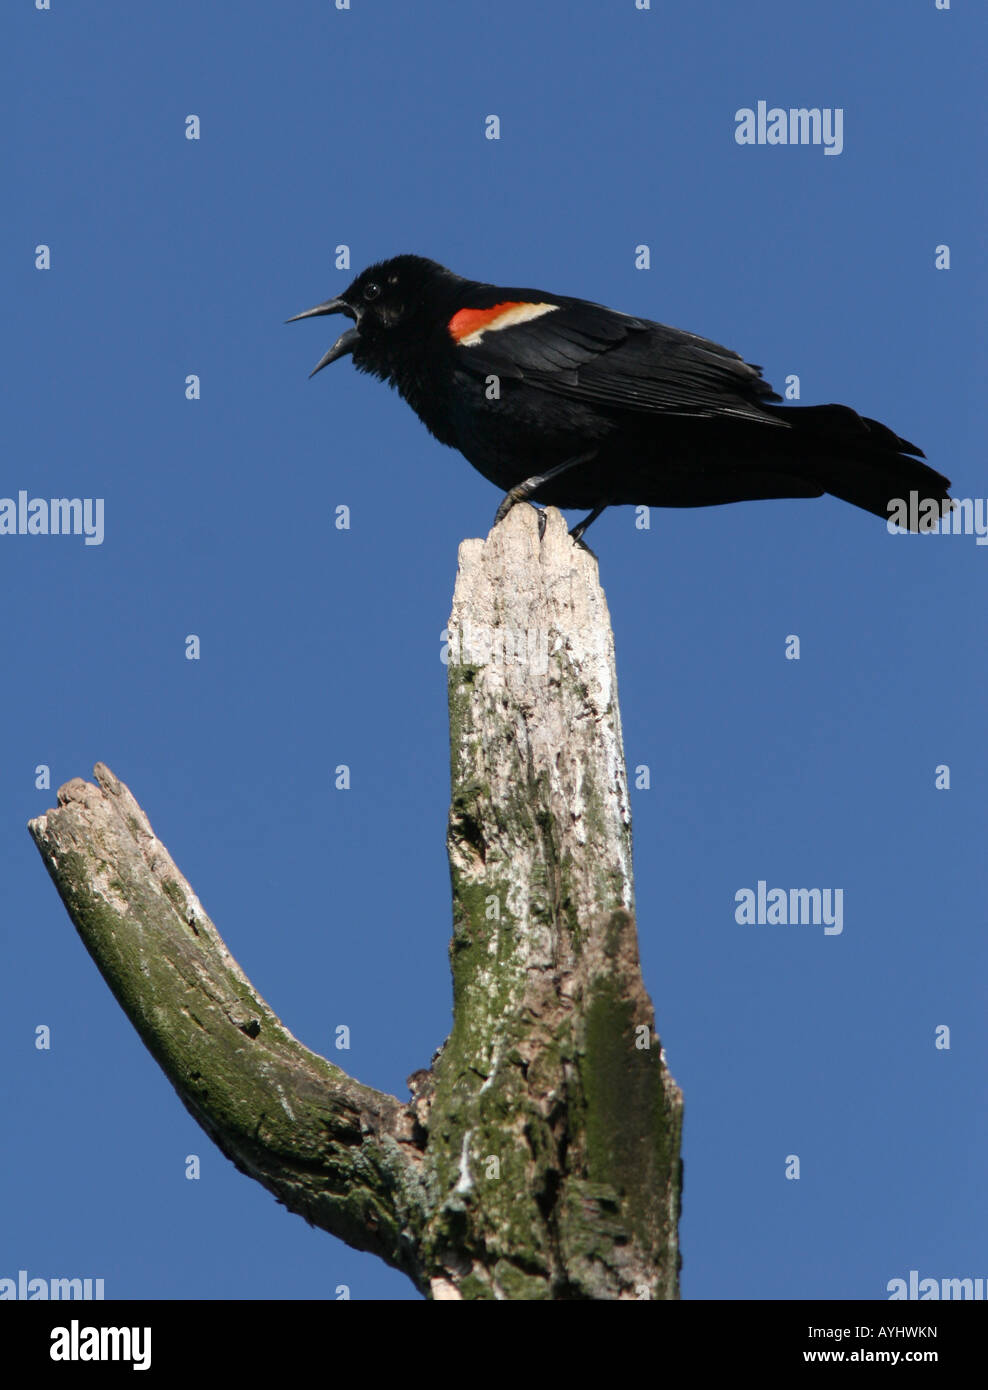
(861,460)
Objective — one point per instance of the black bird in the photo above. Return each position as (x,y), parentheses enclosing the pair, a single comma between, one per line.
(577,406)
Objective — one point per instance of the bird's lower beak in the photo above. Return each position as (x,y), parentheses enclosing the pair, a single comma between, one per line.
(345,343)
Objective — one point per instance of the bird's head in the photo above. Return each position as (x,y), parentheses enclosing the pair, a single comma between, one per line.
(390,303)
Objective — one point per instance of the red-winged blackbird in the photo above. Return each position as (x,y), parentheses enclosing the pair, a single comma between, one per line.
(574,405)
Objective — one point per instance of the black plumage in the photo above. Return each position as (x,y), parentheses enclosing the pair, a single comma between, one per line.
(576,405)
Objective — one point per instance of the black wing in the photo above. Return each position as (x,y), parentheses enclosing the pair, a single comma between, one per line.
(594,354)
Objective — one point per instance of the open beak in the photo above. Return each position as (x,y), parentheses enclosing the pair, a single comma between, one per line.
(345,343)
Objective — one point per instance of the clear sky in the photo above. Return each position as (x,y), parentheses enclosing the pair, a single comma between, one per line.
(173,257)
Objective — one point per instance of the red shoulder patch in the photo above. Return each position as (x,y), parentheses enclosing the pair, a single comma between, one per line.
(468,326)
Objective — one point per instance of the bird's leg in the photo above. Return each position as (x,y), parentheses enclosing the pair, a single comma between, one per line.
(523,491)
(578,530)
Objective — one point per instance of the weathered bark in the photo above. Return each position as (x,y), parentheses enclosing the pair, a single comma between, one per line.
(338,1153)
(539,1157)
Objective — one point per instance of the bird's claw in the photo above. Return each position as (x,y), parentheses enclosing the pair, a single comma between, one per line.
(507,502)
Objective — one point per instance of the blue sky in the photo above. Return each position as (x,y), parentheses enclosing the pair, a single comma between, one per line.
(171,257)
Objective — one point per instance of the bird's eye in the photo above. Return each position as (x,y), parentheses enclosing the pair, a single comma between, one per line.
(371,291)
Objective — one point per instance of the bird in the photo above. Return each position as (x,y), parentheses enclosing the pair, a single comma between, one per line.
(563,402)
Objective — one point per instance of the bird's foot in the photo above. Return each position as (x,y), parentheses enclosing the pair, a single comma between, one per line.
(517,494)
(581,526)
(522,492)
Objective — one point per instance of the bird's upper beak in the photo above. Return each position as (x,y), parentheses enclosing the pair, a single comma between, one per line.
(345,343)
